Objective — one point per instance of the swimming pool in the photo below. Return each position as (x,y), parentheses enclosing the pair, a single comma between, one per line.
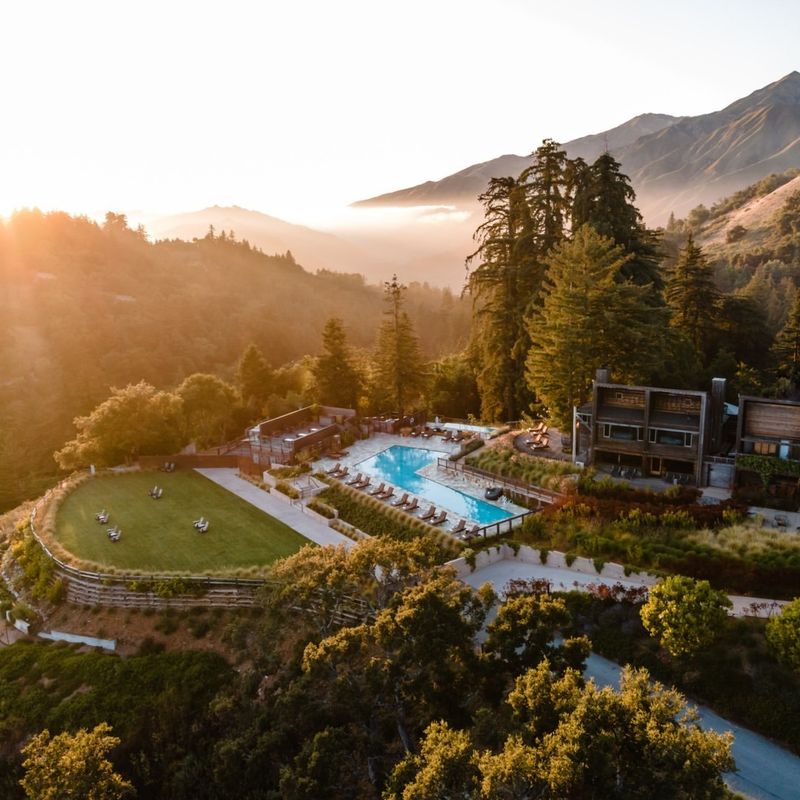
(399,466)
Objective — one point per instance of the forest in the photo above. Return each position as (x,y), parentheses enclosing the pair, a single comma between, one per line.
(88,307)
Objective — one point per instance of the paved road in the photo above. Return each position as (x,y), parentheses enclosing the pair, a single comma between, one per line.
(764,771)
(292,516)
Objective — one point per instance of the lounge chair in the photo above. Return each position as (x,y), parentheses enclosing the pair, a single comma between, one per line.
(100,514)
(403,501)
(199,522)
(412,506)
(460,527)
(459,437)
(471,534)
(414,432)
(448,436)
(440,519)
(362,484)
(358,478)
(426,433)
(387,494)
(429,514)
(379,489)
(204,527)
(335,471)
(343,474)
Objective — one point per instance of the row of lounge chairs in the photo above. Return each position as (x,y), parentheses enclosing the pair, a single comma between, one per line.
(448,436)
(538,438)
(405,503)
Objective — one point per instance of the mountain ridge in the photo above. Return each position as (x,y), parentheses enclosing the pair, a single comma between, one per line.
(674,163)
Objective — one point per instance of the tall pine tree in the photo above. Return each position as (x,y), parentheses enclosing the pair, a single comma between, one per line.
(399,369)
(338,380)
(525,218)
(604,199)
(589,317)
(693,297)
(786,349)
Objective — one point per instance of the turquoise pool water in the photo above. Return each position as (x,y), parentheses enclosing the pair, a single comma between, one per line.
(399,466)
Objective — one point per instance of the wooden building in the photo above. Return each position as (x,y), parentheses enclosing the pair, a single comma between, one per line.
(769,428)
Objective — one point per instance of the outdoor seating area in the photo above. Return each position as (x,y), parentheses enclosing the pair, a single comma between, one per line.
(201,525)
(114,532)
(538,438)
(405,502)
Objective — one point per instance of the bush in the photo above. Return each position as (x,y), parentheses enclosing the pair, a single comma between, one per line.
(287,473)
(322,508)
(375,518)
(287,489)
(468,447)
(505,461)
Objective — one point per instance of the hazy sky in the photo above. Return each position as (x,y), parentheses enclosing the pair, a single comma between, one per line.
(289,107)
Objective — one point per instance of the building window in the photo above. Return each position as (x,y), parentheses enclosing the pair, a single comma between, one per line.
(671,438)
(623,433)
(765,448)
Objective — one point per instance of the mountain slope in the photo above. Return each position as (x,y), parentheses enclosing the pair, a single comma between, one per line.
(674,163)
(312,248)
(465,186)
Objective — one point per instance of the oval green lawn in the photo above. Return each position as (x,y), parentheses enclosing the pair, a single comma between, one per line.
(158,534)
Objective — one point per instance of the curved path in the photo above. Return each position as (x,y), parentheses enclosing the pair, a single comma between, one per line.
(290,515)
(764,771)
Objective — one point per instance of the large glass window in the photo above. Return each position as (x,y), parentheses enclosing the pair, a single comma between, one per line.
(623,433)
(671,438)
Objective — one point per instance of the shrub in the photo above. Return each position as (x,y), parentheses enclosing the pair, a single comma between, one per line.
(468,447)
(322,508)
(505,461)
(287,473)
(377,519)
(287,489)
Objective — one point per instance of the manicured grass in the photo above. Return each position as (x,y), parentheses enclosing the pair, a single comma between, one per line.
(158,534)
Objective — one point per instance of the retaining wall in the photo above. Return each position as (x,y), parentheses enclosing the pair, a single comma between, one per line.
(555,560)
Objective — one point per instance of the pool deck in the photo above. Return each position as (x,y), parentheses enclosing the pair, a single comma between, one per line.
(378,442)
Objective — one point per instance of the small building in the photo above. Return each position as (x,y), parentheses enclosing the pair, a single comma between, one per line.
(771,429)
(311,431)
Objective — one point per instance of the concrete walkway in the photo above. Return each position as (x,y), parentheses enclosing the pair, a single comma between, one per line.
(290,515)
(565,580)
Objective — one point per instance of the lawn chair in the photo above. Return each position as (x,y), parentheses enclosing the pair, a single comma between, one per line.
(100,514)
(460,527)
(429,514)
(115,537)
(412,506)
(358,478)
(199,522)
(440,519)
(379,489)
(204,527)
(403,501)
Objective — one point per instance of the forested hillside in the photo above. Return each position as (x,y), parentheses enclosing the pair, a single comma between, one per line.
(86,307)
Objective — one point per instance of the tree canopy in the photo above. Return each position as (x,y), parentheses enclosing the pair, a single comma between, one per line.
(684,614)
